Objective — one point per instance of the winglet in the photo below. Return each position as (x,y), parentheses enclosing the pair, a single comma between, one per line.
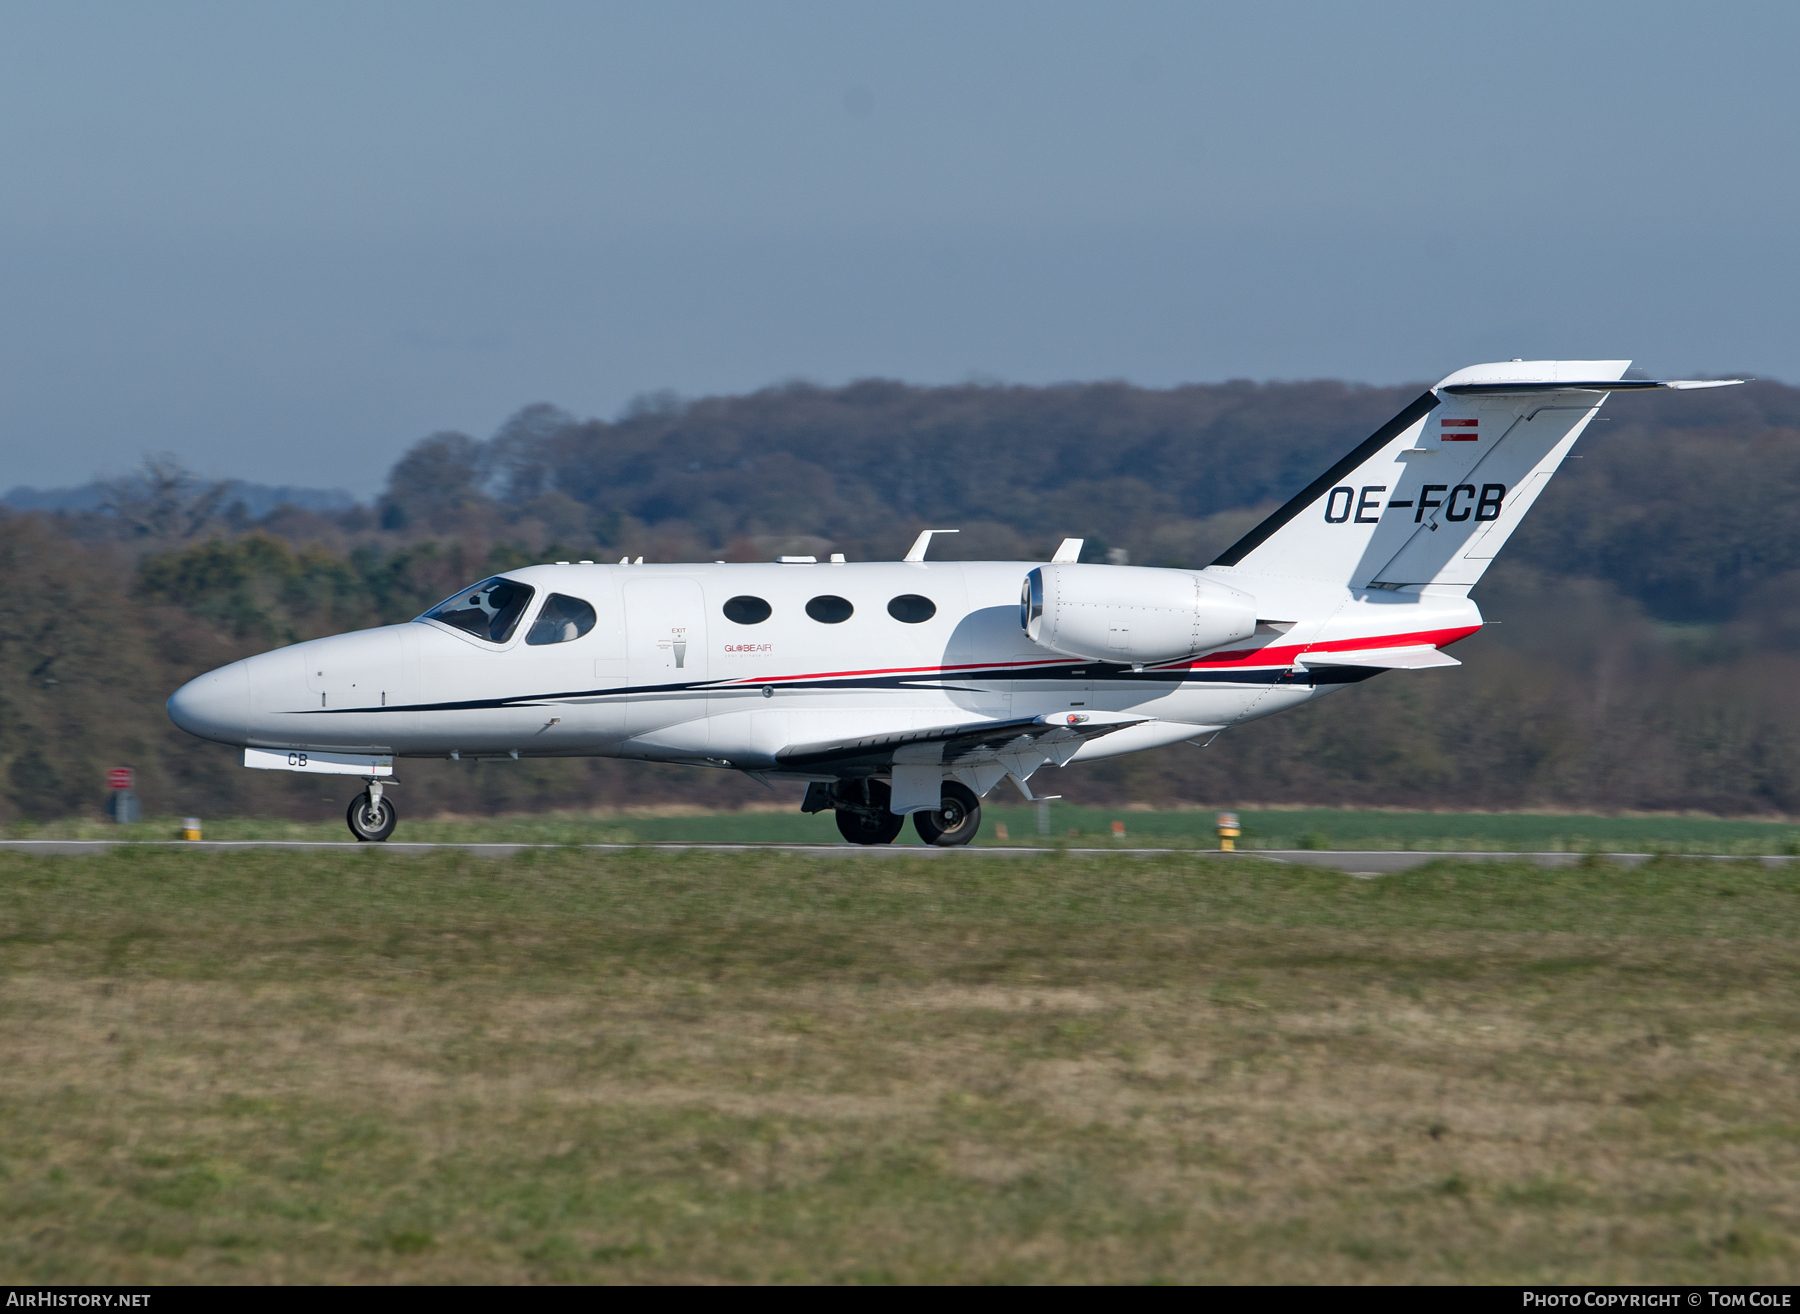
(917,551)
(1069,550)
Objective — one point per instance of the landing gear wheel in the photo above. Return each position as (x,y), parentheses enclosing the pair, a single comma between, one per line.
(859,829)
(957,822)
(371,823)
(869,821)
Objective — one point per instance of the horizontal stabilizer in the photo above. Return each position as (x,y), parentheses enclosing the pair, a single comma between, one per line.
(1386,659)
(1524,388)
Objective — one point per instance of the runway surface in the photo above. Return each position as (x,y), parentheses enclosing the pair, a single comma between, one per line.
(1355,862)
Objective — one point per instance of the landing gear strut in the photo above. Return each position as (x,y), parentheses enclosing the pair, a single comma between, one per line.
(957,820)
(372,818)
(862,811)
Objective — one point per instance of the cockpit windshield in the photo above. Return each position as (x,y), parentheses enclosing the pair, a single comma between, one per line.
(490,610)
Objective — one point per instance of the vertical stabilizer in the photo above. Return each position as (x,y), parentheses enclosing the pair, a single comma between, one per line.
(1432,495)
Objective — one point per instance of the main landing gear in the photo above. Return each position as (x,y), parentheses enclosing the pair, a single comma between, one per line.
(862,813)
(372,817)
(957,820)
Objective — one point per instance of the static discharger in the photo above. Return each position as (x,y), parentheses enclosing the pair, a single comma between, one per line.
(1228,832)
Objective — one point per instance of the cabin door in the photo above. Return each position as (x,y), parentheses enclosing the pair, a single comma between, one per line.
(665,622)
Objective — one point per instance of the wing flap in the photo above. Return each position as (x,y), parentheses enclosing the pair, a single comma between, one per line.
(1047,738)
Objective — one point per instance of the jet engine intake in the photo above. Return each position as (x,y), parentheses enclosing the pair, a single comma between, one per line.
(1135,614)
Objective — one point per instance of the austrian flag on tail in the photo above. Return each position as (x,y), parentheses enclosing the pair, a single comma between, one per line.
(1460,431)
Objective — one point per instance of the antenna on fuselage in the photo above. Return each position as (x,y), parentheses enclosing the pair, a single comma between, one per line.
(917,551)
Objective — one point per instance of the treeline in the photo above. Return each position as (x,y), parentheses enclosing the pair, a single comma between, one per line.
(100,640)
(1649,609)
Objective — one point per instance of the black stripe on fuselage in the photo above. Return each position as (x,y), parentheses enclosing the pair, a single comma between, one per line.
(1087,673)
(1424,405)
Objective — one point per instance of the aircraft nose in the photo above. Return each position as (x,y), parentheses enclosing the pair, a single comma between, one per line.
(215,705)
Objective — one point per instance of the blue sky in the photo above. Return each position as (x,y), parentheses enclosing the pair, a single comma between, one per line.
(284,242)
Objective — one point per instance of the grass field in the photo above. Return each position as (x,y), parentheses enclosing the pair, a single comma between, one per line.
(1295,828)
(579,1066)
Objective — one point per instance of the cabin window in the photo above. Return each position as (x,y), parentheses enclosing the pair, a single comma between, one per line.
(746,610)
(490,610)
(829,609)
(912,609)
(562,619)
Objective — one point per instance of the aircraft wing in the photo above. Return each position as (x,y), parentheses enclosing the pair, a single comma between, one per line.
(1053,738)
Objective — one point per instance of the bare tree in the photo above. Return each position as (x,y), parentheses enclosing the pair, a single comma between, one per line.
(163,499)
(519,459)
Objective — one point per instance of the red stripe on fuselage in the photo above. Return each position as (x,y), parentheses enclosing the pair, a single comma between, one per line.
(1284,656)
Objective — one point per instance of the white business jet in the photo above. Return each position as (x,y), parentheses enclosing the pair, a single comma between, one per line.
(914,687)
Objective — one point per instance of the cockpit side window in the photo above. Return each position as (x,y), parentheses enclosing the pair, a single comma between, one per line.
(490,610)
(562,619)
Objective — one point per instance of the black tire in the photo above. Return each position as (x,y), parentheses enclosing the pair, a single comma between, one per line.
(957,822)
(371,825)
(869,822)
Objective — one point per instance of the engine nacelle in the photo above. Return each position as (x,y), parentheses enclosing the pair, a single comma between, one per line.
(1131,613)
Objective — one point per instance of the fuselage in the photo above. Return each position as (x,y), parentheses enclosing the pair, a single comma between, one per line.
(671,668)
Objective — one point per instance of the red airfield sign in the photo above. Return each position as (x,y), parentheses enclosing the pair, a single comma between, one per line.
(120,778)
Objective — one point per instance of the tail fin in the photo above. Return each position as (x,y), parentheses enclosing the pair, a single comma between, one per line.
(1434,494)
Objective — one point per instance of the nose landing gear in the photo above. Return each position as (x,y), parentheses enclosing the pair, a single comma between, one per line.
(372,817)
